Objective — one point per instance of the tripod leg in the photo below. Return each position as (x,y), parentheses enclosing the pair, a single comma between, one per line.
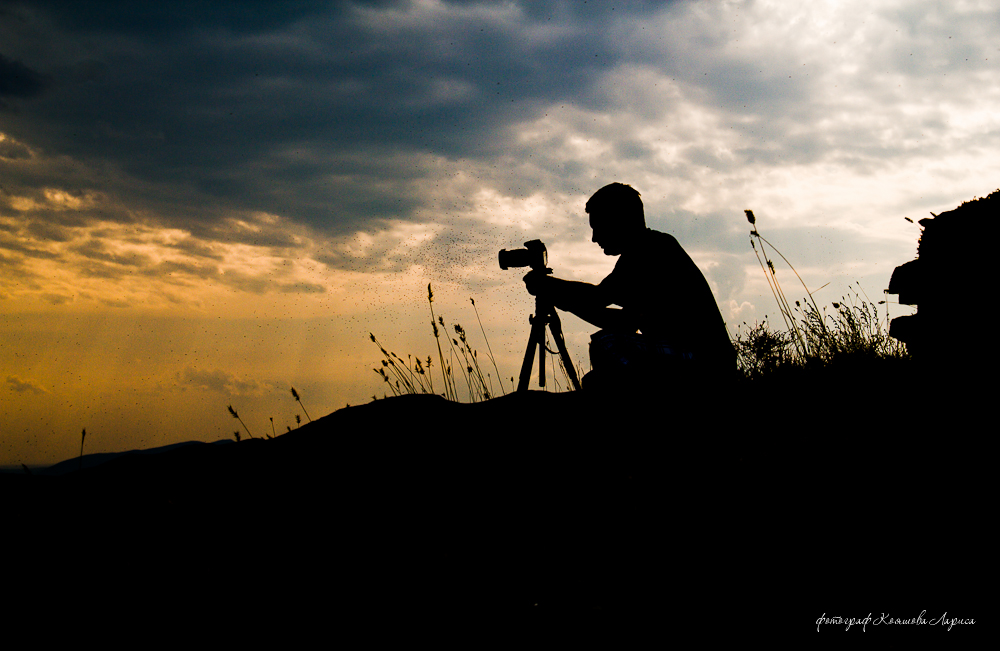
(541,355)
(537,334)
(555,325)
(529,359)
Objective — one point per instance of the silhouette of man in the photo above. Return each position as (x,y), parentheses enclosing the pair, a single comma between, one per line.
(660,293)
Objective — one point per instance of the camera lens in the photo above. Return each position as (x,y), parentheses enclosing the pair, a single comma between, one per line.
(515,258)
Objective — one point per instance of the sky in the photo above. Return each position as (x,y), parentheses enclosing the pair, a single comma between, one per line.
(204,204)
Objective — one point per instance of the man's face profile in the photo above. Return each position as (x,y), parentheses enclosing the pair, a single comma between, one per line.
(607,234)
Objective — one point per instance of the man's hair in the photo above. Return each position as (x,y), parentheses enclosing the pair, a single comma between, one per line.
(620,202)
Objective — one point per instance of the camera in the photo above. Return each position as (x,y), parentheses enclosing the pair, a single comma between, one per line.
(532,255)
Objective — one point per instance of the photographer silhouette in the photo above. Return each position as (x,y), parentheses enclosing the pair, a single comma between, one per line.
(667,325)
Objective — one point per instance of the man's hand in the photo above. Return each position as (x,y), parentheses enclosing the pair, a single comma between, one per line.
(538,283)
(582,299)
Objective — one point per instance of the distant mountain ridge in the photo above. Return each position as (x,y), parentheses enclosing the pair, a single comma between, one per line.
(98,458)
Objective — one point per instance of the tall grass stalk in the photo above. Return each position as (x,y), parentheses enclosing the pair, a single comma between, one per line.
(488,349)
(772,281)
(450,368)
(83,436)
(449,391)
(454,357)
(295,394)
(474,374)
(235,415)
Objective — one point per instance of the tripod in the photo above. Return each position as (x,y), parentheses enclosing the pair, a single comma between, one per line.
(545,314)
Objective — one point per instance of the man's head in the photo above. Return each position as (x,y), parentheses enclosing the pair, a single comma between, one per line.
(616,216)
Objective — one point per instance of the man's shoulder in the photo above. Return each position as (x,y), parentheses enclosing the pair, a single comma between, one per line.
(660,241)
(655,250)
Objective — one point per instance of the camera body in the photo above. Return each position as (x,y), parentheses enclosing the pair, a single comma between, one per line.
(532,255)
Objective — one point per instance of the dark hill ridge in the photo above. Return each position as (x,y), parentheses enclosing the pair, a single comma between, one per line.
(524,504)
(100,458)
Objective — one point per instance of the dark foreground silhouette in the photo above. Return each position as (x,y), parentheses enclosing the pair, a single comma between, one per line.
(721,511)
(954,253)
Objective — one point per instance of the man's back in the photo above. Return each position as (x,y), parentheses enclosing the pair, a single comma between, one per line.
(667,297)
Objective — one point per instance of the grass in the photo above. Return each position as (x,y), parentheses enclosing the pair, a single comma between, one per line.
(273,434)
(234,414)
(295,394)
(851,335)
(83,437)
(459,367)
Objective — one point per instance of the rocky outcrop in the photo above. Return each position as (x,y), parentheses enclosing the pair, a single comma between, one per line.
(946,283)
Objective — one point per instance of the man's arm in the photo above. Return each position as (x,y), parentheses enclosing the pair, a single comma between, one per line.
(587,301)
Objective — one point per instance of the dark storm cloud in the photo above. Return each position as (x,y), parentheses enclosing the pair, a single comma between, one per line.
(162,20)
(18,80)
(317,112)
(13,150)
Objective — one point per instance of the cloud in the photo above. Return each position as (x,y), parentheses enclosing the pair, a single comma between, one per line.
(222,382)
(18,80)
(18,385)
(302,288)
(313,114)
(13,150)
(334,133)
